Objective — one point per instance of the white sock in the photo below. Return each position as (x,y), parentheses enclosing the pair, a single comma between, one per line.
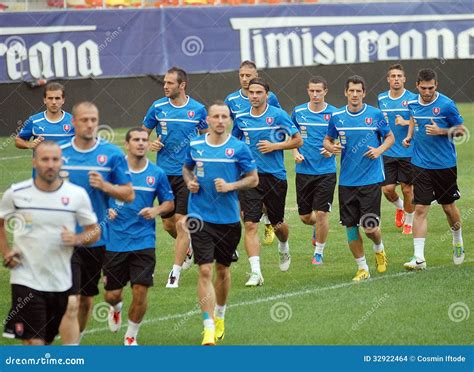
(398,203)
(319,248)
(255,264)
(378,247)
(220,311)
(132,330)
(81,336)
(118,307)
(419,244)
(265,219)
(283,247)
(176,270)
(209,323)
(362,263)
(409,218)
(457,236)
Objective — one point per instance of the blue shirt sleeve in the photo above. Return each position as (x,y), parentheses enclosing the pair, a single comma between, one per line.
(332,131)
(26,131)
(454,117)
(202,119)
(382,126)
(285,122)
(273,100)
(188,160)
(120,172)
(163,189)
(246,160)
(150,120)
(293,119)
(236,132)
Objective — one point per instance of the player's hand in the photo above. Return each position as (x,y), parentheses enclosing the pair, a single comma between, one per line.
(433,129)
(36,142)
(325,153)
(373,153)
(11,259)
(112,214)
(299,158)
(193,185)
(222,185)
(406,141)
(96,180)
(337,148)
(156,145)
(68,237)
(148,213)
(400,121)
(265,147)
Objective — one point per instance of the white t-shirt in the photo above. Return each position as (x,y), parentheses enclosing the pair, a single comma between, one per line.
(36,218)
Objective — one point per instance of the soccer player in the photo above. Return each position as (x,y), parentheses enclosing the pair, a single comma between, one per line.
(177,118)
(45,211)
(100,168)
(54,124)
(435,121)
(217,165)
(239,102)
(127,258)
(265,128)
(315,166)
(397,159)
(364,136)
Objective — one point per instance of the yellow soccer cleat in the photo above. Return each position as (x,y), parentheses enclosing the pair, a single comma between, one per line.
(269,235)
(381,262)
(220,328)
(209,338)
(361,275)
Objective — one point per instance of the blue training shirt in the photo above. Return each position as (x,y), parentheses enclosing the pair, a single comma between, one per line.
(129,231)
(239,103)
(391,107)
(357,131)
(227,161)
(39,126)
(177,125)
(104,158)
(313,127)
(272,125)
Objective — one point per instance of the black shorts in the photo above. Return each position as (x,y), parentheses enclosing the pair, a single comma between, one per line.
(360,205)
(181,196)
(35,314)
(136,267)
(315,193)
(270,191)
(397,170)
(215,242)
(86,269)
(435,184)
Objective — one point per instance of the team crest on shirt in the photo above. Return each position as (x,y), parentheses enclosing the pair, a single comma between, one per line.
(190,114)
(229,152)
(436,110)
(19,329)
(101,159)
(150,180)
(269,120)
(327,117)
(66,127)
(405,103)
(368,121)
(65,200)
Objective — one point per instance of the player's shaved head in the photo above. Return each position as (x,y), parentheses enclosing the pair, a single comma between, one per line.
(84,104)
(216,104)
(38,149)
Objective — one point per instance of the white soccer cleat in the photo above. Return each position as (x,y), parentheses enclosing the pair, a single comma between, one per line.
(114,320)
(255,280)
(458,254)
(188,261)
(415,264)
(130,341)
(173,281)
(285,261)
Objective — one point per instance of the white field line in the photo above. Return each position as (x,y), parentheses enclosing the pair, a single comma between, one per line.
(15,157)
(277,297)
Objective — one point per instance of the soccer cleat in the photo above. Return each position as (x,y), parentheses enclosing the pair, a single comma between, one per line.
(361,275)
(317,259)
(255,280)
(173,281)
(220,329)
(313,237)
(407,229)
(415,264)
(269,235)
(399,217)
(114,320)
(130,341)
(188,261)
(381,262)
(285,261)
(209,338)
(458,254)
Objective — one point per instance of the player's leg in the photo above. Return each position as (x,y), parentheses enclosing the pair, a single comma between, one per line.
(33,342)
(169,225)
(304,199)
(269,233)
(222,286)
(56,307)
(389,186)
(409,207)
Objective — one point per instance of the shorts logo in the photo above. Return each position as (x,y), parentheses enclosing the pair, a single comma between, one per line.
(368,121)
(327,117)
(101,159)
(150,180)
(405,103)
(190,114)
(269,120)
(436,110)
(66,127)
(19,329)
(229,152)
(65,200)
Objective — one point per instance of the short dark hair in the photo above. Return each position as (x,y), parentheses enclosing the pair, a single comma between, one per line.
(248,63)
(42,144)
(318,80)
(395,66)
(128,135)
(217,103)
(54,86)
(260,81)
(181,75)
(355,79)
(426,74)
(84,103)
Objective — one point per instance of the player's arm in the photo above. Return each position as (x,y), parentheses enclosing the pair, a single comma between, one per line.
(22,140)
(375,152)
(455,131)
(411,129)
(11,258)
(88,236)
(123,192)
(190,178)
(294,142)
(150,213)
(248,181)
(329,142)
(165,197)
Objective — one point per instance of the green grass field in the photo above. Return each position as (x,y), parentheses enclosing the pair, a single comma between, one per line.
(307,305)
